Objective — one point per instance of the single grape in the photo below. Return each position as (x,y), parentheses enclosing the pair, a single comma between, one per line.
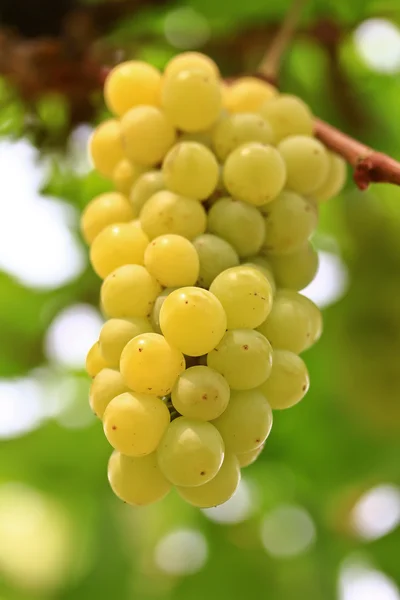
(243,357)
(95,361)
(191,452)
(104,210)
(145,186)
(137,481)
(116,333)
(155,313)
(193,320)
(246,423)
(135,423)
(215,255)
(248,458)
(132,83)
(288,382)
(166,212)
(118,245)
(314,314)
(238,223)
(129,291)
(125,175)
(245,294)
(107,384)
(296,270)
(146,135)
(172,260)
(307,163)
(237,129)
(219,489)
(287,115)
(200,393)
(191,60)
(263,265)
(254,173)
(201,137)
(191,169)
(105,147)
(247,94)
(334,181)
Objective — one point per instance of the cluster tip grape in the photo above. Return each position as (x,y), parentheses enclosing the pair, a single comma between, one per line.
(203,248)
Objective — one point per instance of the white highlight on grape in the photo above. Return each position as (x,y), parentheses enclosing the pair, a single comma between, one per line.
(378,43)
(287,531)
(186,29)
(237,509)
(20,407)
(181,552)
(71,334)
(331,281)
(360,582)
(377,512)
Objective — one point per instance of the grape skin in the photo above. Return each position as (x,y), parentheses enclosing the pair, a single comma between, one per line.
(95,361)
(106,385)
(200,393)
(296,270)
(102,211)
(116,333)
(129,291)
(215,255)
(105,147)
(148,184)
(130,84)
(288,382)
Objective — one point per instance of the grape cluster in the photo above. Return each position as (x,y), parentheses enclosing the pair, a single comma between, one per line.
(202,248)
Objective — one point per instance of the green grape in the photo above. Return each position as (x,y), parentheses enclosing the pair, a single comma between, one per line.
(191,452)
(245,294)
(296,270)
(191,60)
(150,365)
(247,94)
(129,291)
(290,219)
(191,169)
(172,260)
(102,211)
(95,361)
(215,255)
(116,333)
(135,423)
(105,147)
(314,314)
(191,99)
(118,245)
(237,129)
(166,212)
(155,313)
(288,382)
(107,384)
(239,224)
(137,481)
(201,137)
(200,393)
(307,163)
(218,490)
(243,357)
(131,83)
(246,423)
(145,186)
(254,173)
(193,320)
(334,181)
(263,265)
(287,115)
(248,458)
(125,175)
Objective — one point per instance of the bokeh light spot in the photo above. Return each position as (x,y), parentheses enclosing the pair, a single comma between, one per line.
(377,512)
(287,531)
(181,552)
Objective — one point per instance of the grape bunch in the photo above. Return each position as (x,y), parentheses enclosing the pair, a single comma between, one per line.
(202,248)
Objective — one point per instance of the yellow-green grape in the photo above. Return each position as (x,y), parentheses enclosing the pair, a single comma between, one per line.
(296,270)
(166,212)
(238,129)
(150,365)
(105,147)
(129,291)
(191,60)
(125,174)
(191,99)
(172,260)
(201,137)
(314,314)
(146,135)
(145,186)
(132,83)
(191,452)
(95,361)
(263,265)
(105,386)
(246,423)
(116,333)
(219,489)
(200,393)
(254,173)
(307,163)
(191,169)
(289,324)
(247,94)
(215,255)
(287,115)
(239,224)
(248,458)
(290,219)
(104,210)
(193,320)
(137,481)
(288,382)
(245,294)
(135,423)
(243,357)
(117,245)
(334,181)
(155,313)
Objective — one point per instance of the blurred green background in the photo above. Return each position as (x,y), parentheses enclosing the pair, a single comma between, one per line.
(318,515)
